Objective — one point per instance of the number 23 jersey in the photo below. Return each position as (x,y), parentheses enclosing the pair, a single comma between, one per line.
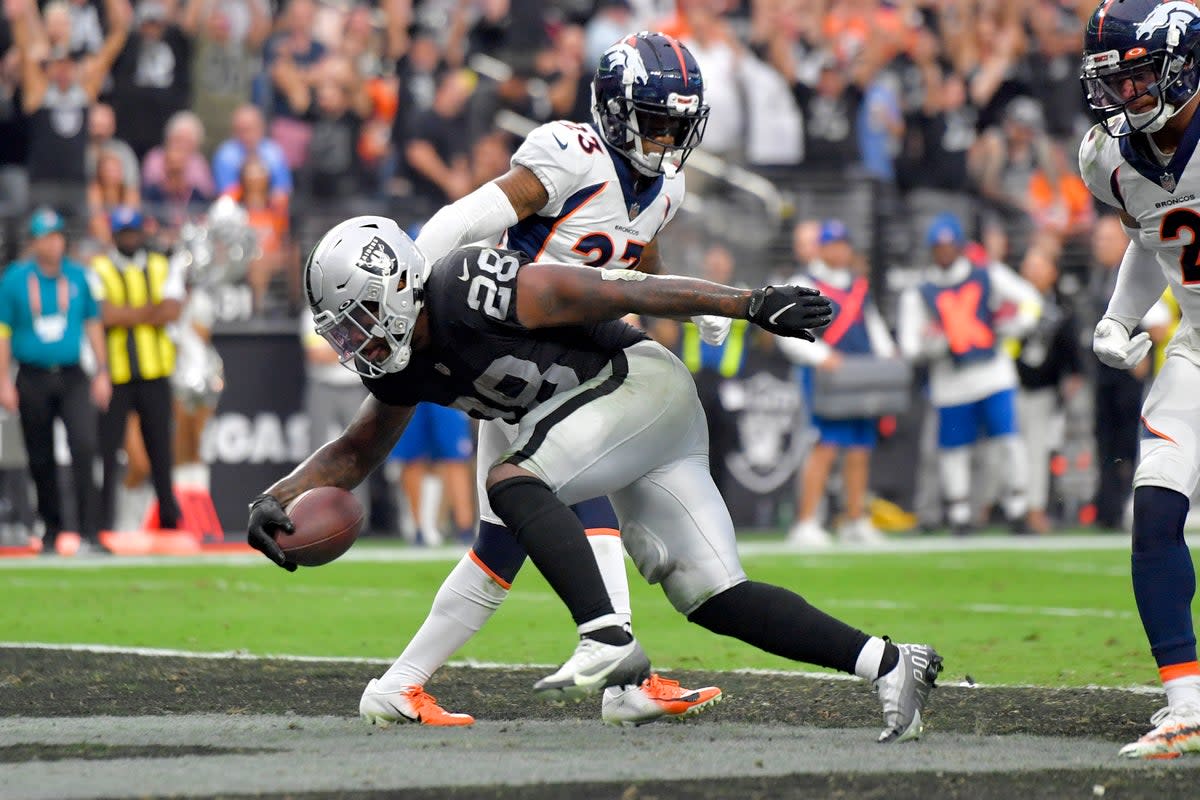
(1164,199)
(480,358)
(595,214)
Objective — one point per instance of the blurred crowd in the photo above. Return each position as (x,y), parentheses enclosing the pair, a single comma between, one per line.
(883,114)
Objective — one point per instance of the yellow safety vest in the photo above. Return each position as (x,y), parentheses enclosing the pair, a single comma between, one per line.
(143,352)
(731,356)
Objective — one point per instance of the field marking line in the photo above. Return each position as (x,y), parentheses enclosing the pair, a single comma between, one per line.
(387,555)
(241,655)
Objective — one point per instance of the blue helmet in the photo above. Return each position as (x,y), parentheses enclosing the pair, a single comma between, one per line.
(648,87)
(1140,63)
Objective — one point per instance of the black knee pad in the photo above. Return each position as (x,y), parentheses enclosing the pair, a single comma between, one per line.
(522,500)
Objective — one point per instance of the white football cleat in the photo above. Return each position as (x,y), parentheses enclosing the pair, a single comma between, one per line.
(655,698)
(904,691)
(410,704)
(593,666)
(1176,731)
(807,533)
(860,531)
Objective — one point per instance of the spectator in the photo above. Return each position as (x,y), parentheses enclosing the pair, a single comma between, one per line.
(1117,393)
(108,192)
(951,322)
(56,94)
(184,135)
(102,128)
(858,330)
(267,215)
(289,56)
(227,44)
(175,198)
(86,34)
(14,152)
(336,109)
(46,310)
(436,153)
(612,20)
(249,139)
(140,293)
(152,79)
(1049,369)
(717,51)
(1007,161)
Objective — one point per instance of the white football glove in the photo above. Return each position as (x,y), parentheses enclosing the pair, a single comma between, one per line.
(1112,345)
(713,329)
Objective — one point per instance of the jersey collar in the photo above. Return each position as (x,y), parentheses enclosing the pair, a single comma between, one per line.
(1137,152)
(635,202)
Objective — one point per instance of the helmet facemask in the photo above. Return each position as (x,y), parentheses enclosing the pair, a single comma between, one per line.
(658,137)
(1114,85)
(371,295)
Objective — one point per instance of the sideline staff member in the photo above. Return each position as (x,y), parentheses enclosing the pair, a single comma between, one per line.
(140,292)
(45,309)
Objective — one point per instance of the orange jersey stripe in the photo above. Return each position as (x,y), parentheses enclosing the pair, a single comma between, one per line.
(604,532)
(1159,434)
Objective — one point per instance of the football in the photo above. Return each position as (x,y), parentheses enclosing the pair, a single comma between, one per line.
(327,521)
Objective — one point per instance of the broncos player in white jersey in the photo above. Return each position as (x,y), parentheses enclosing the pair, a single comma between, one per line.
(598,195)
(598,409)
(1141,74)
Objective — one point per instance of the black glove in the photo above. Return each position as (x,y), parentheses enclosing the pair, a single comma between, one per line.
(266,517)
(789,310)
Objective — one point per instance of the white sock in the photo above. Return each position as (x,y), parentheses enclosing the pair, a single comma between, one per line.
(1015,503)
(867,665)
(955,468)
(466,600)
(1183,692)
(431,504)
(610,558)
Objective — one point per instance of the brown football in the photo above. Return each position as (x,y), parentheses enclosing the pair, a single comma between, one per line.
(327,520)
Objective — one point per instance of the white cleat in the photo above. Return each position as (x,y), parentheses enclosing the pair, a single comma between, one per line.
(860,531)
(1176,731)
(655,698)
(410,704)
(808,533)
(905,690)
(592,667)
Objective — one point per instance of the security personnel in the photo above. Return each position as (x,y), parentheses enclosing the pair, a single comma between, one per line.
(46,308)
(140,292)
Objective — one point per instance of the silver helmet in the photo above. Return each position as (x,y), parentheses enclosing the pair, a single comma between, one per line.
(364,284)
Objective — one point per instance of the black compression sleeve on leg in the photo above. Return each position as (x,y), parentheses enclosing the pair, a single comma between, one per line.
(556,543)
(783,623)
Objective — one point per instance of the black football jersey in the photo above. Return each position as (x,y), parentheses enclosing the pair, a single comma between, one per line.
(480,358)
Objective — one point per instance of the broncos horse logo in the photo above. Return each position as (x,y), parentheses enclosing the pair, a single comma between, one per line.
(625,57)
(1175,16)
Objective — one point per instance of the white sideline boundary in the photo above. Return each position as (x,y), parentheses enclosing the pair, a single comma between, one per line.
(242,655)
(900,545)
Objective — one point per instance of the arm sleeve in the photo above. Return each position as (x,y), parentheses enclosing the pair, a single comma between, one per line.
(912,320)
(1012,288)
(877,331)
(561,158)
(1140,283)
(483,214)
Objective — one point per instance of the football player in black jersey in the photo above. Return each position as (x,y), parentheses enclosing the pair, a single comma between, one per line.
(598,409)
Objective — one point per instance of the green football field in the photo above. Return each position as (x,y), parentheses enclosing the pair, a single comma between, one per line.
(1049,617)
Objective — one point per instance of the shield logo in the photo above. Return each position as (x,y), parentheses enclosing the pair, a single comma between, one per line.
(377,257)
(1168,181)
(634,210)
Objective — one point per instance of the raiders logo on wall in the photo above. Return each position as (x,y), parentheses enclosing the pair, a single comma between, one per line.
(377,258)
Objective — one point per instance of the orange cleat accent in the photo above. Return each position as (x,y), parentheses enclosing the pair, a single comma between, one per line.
(411,704)
(656,698)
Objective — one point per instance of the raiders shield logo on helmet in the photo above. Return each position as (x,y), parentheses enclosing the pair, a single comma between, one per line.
(377,257)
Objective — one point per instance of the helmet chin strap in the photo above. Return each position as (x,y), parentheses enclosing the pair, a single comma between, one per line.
(1158,118)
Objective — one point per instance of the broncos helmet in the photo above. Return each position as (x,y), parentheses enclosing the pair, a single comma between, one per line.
(648,87)
(1140,63)
(364,282)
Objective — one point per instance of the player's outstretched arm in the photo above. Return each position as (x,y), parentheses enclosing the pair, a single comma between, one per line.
(551,295)
(348,460)
(344,462)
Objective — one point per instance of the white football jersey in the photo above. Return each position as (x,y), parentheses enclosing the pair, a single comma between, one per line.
(594,216)
(1165,201)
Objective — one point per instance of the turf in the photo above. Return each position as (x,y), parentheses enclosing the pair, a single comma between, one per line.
(1041,617)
